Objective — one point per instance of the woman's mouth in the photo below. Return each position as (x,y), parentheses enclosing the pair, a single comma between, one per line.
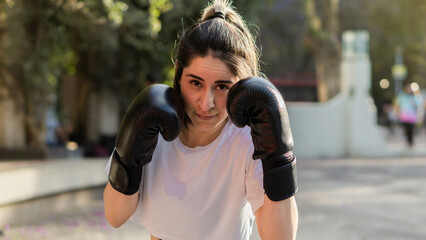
(205,117)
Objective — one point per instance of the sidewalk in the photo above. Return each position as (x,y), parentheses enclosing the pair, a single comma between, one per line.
(355,199)
(338,199)
(395,140)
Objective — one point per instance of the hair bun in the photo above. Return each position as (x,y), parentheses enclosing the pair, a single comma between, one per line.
(218,15)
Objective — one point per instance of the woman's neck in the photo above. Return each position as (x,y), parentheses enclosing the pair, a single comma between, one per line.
(193,137)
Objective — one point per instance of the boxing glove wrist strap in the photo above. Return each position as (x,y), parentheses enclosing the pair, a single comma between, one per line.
(281,183)
(123,178)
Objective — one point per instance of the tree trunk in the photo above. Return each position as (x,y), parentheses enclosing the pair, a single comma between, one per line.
(24,29)
(322,39)
(328,75)
(12,117)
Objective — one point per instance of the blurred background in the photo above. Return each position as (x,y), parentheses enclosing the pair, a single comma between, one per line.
(69,68)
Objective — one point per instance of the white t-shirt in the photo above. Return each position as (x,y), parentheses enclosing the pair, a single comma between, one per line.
(208,192)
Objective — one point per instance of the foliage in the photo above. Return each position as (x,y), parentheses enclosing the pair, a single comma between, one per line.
(282,29)
(111,44)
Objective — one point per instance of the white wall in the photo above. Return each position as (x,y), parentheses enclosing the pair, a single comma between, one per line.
(103,115)
(319,128)
(40,178)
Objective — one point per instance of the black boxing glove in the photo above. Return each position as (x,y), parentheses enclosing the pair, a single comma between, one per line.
(256,102)
(155,109)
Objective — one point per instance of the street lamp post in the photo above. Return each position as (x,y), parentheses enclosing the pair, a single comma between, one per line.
(399,71)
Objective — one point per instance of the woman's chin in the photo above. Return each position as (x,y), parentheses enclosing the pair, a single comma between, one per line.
(207,126)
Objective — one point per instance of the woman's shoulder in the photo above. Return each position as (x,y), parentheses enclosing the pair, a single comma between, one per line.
(242,134)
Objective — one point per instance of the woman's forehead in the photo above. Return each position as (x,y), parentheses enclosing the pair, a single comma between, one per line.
(209,65)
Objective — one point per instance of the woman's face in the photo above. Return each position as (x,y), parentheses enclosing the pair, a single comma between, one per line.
(204,86)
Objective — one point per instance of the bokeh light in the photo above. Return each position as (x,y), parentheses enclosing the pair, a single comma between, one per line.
(415,86)
(384,83)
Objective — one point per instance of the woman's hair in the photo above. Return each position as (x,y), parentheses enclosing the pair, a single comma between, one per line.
(222,33)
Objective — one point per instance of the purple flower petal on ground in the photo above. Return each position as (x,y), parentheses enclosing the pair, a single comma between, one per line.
(71,223)
(99,213)
(6,227)
(42,230)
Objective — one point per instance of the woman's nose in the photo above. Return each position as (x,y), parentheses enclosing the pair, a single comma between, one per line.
(207,101)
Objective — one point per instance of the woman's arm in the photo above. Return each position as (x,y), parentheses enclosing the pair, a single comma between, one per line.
(277,220)
(119,207)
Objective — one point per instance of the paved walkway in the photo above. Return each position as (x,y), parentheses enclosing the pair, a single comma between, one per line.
(395,140)
(339,199)
(362,199)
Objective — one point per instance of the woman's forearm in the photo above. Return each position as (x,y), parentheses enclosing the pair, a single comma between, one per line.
(279,220)
(119,207)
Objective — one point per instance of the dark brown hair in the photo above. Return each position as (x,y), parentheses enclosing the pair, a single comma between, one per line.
(222,33)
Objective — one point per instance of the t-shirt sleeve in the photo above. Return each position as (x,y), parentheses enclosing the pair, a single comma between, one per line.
(108,166)
(254,181)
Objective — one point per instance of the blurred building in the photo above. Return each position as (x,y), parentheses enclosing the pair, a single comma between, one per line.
(297,87)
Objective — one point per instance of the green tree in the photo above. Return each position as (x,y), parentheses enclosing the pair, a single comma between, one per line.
(31,44)
(103,44)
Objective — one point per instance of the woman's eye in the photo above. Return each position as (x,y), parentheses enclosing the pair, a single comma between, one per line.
(195,83)
(222,87)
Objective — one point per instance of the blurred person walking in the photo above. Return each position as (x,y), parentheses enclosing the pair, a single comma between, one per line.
(409,109)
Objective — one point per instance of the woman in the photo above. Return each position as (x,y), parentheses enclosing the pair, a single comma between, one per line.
(408,107)
(201,181)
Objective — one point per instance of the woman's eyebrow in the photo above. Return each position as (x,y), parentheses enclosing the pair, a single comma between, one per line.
(195,76)
(224,82)
(217,82)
